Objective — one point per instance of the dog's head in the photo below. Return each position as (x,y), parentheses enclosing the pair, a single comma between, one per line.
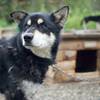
(39,31)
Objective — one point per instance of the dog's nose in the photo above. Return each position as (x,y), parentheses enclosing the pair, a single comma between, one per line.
(28,38)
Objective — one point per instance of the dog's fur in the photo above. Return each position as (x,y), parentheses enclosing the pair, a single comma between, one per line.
(24,59)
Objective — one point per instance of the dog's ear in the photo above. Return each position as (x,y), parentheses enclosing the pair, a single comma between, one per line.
(60,15)
(18,15)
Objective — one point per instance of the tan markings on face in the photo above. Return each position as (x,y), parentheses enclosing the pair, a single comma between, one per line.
(29,22)
(40,21)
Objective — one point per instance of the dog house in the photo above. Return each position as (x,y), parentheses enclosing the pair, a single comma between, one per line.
(82,47)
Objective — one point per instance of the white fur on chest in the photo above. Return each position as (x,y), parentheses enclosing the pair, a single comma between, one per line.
(29,89)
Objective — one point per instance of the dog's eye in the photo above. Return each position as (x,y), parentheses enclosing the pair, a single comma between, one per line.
(40,21)
(29,22)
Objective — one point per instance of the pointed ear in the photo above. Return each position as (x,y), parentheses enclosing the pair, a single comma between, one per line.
(18,15)
(60,15)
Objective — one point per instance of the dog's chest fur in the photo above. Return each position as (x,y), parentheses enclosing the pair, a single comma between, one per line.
(29,89)
(27,66)
(26,69)
(23,65)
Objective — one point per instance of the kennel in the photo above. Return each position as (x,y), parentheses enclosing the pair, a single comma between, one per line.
(83,47)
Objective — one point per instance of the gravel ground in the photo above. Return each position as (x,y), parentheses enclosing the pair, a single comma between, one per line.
(88,90)
(70,91)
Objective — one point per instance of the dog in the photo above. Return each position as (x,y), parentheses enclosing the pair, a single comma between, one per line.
(91,18)
(88,19)
(24,59)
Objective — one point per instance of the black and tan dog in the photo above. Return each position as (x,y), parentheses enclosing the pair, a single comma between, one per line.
(24,59)
(88,19)
(91,18)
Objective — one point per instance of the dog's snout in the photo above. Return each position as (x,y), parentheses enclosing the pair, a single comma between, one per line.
(28,38)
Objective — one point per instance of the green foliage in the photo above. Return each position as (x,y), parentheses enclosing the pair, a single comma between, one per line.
(78,9)
(3,23)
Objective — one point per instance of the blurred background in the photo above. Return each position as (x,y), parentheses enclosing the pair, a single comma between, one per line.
(78,10)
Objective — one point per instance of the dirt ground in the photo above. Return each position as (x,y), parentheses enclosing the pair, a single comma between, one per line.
(87,90)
